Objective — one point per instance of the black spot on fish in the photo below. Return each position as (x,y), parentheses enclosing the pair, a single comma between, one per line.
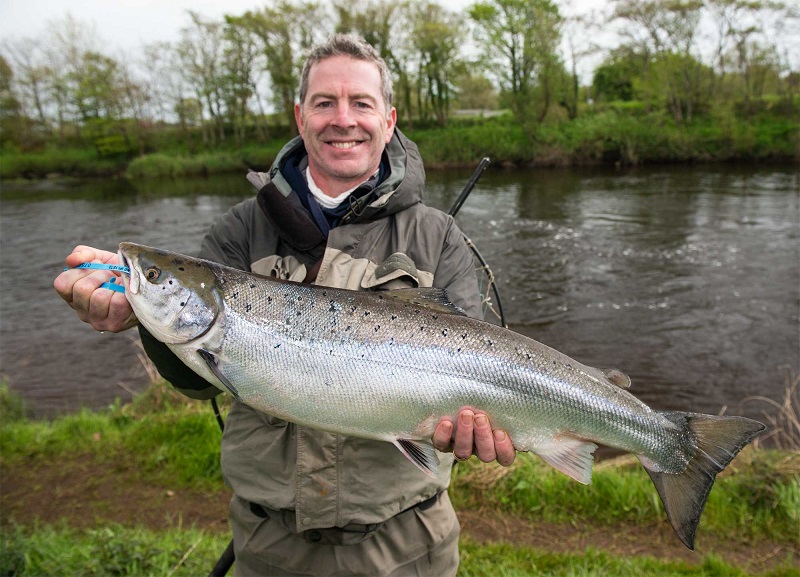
(463,336)
(252,286)
(380,296)
(444,332)
(325,293)
(180,268)
(348,328)
(170,281)
(299,313)
(353,308)
(394,317)
(278,346)
(248,307)
(377,328)
(366,313)
(183,304)
(236,295)
(269,299)
(435,316)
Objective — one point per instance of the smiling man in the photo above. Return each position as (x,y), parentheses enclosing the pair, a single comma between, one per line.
(342,207)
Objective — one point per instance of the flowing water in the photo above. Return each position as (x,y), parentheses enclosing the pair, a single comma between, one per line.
(686,278)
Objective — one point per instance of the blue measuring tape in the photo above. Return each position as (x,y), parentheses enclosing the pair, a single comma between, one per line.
(112,283)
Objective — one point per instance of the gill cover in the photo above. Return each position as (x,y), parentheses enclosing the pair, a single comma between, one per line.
(175,297)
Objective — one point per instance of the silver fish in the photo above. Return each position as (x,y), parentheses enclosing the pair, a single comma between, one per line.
(390,365)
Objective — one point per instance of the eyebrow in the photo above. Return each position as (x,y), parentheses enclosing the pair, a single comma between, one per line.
(331,96)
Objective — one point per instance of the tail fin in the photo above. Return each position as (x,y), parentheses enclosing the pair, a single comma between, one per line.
(718,440)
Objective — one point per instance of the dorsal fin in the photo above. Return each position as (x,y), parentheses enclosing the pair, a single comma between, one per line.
(434,299)
(618,378)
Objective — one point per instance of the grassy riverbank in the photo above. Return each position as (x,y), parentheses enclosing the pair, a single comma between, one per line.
(137,490)
(611,134)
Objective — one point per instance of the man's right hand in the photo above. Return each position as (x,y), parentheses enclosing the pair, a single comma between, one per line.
(104,309)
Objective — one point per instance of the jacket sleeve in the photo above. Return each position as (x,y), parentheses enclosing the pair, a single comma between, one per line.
(456,272)
(228,243)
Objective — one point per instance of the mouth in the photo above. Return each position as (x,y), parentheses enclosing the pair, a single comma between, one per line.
(129,281)
(344,145)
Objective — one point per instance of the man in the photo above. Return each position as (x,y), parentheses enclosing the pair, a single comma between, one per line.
(340,207)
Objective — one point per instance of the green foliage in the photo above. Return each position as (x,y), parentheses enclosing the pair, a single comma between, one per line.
(107,551)
(12,407)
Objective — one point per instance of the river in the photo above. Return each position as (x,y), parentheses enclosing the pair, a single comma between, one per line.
(686,278)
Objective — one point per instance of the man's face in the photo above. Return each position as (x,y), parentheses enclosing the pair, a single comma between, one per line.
(343,122)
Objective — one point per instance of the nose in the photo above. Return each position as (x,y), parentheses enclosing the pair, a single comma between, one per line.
(344,116)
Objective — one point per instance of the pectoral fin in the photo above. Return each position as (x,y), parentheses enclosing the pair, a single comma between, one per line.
(423,455)
(571,456)
(213,364)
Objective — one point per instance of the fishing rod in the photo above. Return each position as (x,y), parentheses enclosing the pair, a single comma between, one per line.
(484,265)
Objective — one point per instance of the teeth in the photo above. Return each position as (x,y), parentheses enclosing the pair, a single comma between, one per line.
(343,144)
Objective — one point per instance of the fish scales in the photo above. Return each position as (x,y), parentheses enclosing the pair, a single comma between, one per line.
(430,360)
(389,366)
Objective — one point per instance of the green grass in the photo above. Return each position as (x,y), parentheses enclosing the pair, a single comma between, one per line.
(115,550)
(505,560)
(759,498)
(168,436)
(110,550)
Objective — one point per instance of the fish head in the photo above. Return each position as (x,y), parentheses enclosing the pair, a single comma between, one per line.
(175,297)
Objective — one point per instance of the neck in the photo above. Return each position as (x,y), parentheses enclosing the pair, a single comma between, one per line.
(334,187)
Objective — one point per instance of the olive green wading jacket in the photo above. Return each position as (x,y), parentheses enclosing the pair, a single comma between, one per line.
(393,241)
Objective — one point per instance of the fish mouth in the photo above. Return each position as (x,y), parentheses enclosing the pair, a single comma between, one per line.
(129,281)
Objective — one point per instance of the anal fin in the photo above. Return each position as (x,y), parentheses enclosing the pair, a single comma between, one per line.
(422,454)
(213,365)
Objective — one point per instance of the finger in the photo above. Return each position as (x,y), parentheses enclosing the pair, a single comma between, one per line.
(83,291)
(484,440)
(504,447)
(462,445)
(443,435)
(82,253)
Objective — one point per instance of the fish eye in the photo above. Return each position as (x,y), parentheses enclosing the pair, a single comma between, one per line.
(152,273)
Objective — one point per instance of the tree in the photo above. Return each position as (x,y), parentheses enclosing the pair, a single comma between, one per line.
(520,39)
(286,31)
(437,38)
(200,54)
(238,84)
(30,74)
(474,91)
(666,30)
(743,46)
(385,24)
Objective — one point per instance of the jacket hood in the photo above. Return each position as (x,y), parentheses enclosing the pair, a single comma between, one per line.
(402,185)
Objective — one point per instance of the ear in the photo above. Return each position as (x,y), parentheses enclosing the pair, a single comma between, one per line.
(298,118)
(391,122)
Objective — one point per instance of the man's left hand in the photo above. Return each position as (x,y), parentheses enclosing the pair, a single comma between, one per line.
(473,435)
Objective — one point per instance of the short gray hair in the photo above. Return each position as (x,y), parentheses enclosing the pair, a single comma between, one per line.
(353,46)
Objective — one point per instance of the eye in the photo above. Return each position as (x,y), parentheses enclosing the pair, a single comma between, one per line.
(152,273)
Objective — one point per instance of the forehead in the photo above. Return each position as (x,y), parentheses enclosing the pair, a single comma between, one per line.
(344,75)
